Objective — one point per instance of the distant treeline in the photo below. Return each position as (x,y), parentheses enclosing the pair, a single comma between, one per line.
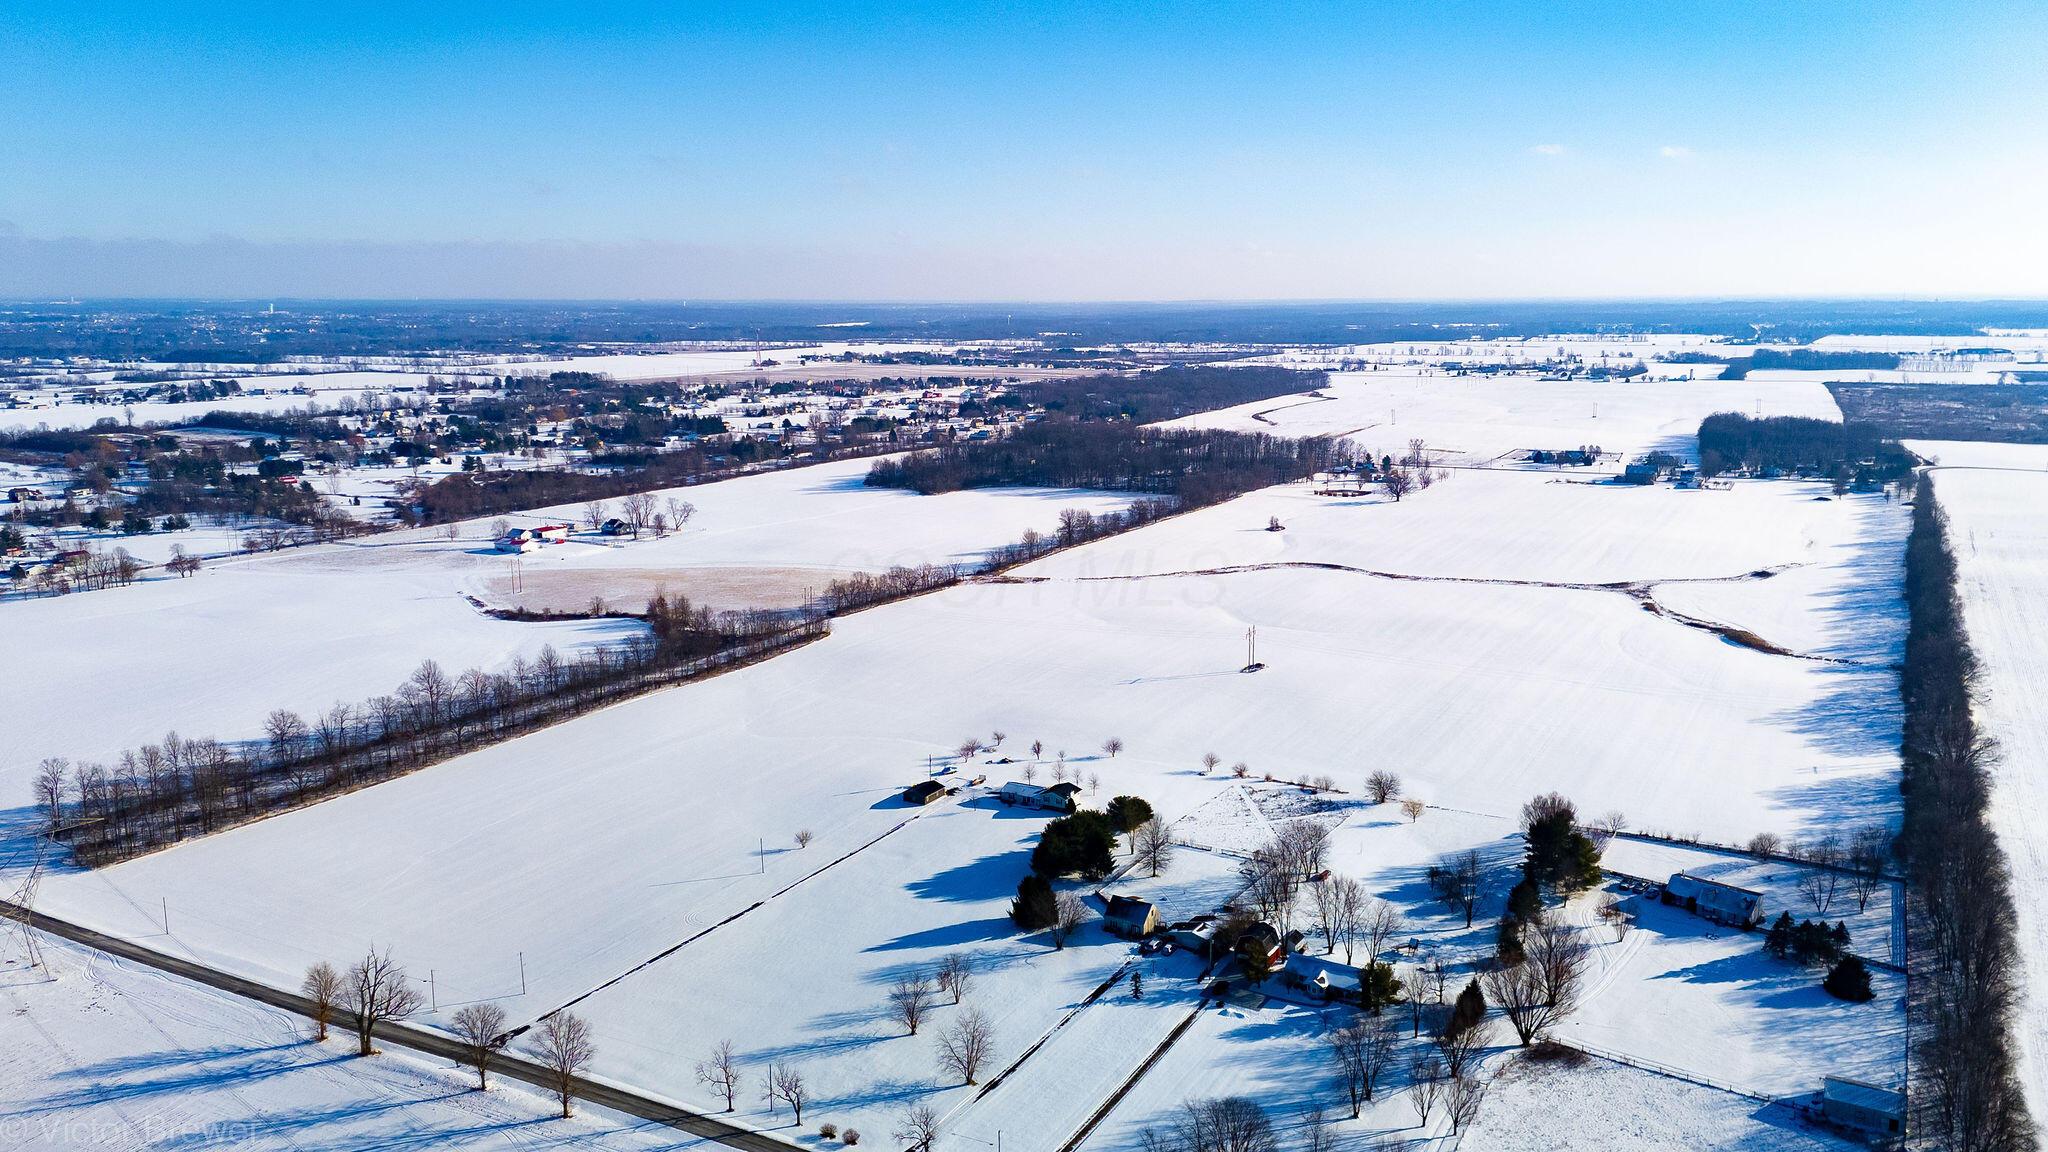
(465,495)
(2010,413)
(1167,393)
(1967,1085)
(1192,467)
(1808,360)
(202,331)
(1799,444)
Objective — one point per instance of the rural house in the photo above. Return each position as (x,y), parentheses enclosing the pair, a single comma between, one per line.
(1126,916)
(1058,798)
(1862,1107)
(924,792)
(1715,901)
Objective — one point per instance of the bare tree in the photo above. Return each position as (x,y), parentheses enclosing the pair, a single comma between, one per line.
(1820,883)
(564,1049)
(1559,953)
(375,990)
(909,1000)
(1068,914)
(1209,762)
(1112,746)
(721,1073)
(1455,880)
(1379,923)
(1361,1051)
(1765,844)
(789,1084)
(323,987)
(964,1047)
(594,512)
(1611,824)
(1518,991)
(639,510)
(50,776)
(1153,844)
(996,738)
(1461,1101)
(804,836)
(1037,749)
(956,975)
(679,511)
(1416,985)
(1613,915)
(478,1027)
(1315,1131)
(1382,786)
(968,747)
(1459,1046)
(287,732)
(919,1128)
(1413,809)
(1425,1085)
(1868,851)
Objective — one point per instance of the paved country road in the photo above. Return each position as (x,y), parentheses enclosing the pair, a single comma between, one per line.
(418,1039)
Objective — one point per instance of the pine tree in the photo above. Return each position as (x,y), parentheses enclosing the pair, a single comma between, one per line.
(1849,980)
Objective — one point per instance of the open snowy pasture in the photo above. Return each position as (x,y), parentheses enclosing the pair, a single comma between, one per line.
(105,1053)
(1527,526)
(2000,540)
(1479,419)
(821,958)
(214,653)
(1952,454)
(594,845)
(767,540)
(95,672)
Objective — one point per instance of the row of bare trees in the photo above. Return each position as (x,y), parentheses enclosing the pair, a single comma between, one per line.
(162,793)
(375,992)
(1970,1089)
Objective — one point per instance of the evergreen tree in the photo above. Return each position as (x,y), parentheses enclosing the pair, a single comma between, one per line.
(1034,908)
(1849,980)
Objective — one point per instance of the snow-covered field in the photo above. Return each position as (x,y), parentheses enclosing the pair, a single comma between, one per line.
(92,673)
(1487,639)
(214,653)
(1993,496)
(105,1053)
(1474,419)
(648,815)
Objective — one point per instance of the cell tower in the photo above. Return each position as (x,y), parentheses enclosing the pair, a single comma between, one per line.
(1251,650)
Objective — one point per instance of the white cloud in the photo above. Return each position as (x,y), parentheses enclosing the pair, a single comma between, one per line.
(1547,149)
(1675,152)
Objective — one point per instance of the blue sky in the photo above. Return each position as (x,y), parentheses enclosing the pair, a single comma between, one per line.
(1034,151)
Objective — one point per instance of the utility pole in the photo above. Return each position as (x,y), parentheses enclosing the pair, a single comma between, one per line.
(433,993)
(522,973)
(167,914)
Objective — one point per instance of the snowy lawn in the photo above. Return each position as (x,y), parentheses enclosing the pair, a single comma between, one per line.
(1707,1000)
(1550,1107)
